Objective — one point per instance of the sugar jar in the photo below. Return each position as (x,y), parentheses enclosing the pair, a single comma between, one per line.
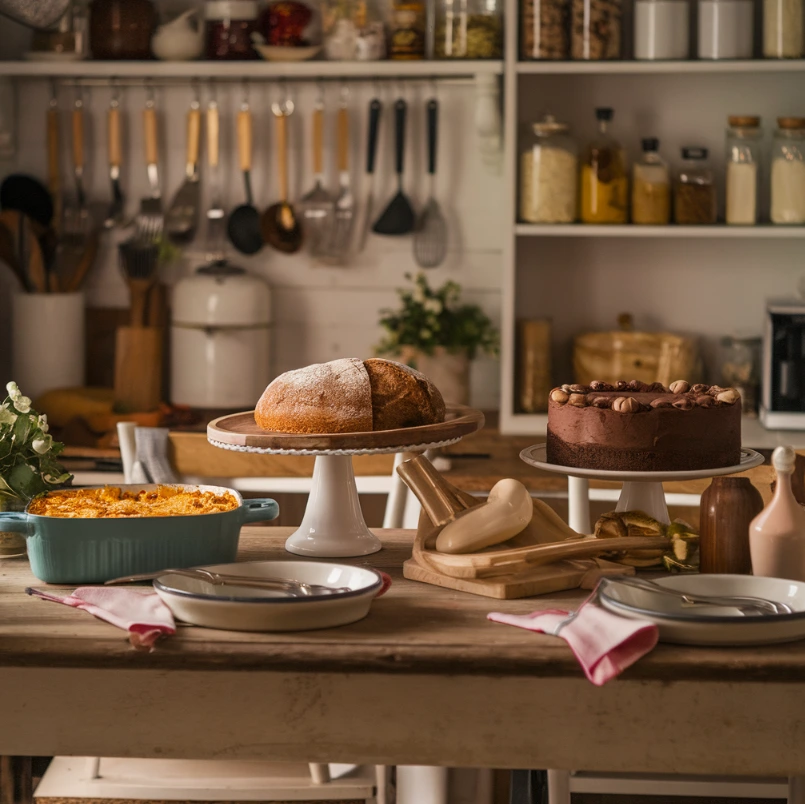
(549,174)
(788,171)
(743,148)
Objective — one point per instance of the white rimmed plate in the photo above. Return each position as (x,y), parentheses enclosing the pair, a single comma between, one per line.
(280,53)
(237,608)
(710,625)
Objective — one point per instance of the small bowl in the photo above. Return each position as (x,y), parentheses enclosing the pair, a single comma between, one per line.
(234,608)
(276,53)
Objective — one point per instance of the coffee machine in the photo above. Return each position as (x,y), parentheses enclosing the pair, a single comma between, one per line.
(783,381)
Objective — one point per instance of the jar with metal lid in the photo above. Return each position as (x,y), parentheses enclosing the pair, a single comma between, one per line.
(782,29)
(788,171)
(661,29)
(549,174)
(544,29)
(595,29)
(604,177)
(229,27)
(695,201)
(353,30)
(726,29)
(743,150)
(651,186)
(469,29)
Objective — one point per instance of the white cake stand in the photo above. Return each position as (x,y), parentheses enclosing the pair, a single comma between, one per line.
(642,491)
(333,525)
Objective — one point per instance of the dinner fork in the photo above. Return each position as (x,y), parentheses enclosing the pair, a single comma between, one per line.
(294,588)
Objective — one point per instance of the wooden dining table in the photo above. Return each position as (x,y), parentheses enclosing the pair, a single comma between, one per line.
(425,679)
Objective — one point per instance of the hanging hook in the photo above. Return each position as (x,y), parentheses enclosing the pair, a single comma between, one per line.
(54,93)
(244,105)
(195,87)
(344,92)
(319,104)
(284,107)
(149,94)
(115,101)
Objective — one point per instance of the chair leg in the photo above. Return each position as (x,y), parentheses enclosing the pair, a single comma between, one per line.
(382,784)
(421,784)
(558,787)
(796,790)
(16,780)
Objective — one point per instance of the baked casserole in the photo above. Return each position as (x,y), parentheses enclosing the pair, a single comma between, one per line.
(111,502)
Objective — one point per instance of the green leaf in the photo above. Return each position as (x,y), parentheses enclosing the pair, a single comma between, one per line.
(25,481)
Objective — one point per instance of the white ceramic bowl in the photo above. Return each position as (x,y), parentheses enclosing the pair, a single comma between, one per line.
(702,625)
(232,608)
(279,53)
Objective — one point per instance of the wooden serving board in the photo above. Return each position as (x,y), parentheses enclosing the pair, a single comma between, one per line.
(241,430)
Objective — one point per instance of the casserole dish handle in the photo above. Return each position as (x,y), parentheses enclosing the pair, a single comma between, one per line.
(259,510)
(14,522)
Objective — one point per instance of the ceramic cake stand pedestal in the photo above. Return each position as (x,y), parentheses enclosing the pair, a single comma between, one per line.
(333,525)
(642,491)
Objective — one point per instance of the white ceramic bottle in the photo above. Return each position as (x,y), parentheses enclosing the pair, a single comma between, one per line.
(777,533)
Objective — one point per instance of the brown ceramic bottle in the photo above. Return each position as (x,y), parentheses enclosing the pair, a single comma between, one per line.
(728,505)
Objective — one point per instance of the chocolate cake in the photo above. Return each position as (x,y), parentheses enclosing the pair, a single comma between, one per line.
(634,426)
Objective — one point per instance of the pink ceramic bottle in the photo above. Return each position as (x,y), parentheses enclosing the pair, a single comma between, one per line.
(777,533)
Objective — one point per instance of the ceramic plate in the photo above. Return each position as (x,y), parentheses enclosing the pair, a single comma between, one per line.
(275,53)
(703,625)
(234,608)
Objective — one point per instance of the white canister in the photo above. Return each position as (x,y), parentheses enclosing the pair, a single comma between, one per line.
(661,29)
(726,29)
(47,332)
(220,339)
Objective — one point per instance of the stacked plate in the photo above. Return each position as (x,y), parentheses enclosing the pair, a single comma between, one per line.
(688,624)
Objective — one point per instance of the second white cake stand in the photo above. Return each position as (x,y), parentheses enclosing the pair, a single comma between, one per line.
(333,525)
(642,491)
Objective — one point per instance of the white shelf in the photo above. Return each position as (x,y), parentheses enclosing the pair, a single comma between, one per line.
(635,230)
(253,70)
(654,67)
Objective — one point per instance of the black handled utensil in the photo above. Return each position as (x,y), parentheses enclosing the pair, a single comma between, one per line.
(398,217)
(430,240)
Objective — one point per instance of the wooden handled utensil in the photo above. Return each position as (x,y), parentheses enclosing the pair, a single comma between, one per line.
(114,214)
(181,221)
(243,226)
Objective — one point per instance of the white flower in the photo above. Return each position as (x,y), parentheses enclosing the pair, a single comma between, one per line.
(433,306)
(7,416)
(43,423)
(13,390)
(42,445)
(23,404)
(419,294)
(425,334)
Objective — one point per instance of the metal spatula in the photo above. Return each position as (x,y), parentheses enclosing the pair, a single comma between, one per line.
(398,217)
(317,205)
(151,220)
(345,202)
(430,239)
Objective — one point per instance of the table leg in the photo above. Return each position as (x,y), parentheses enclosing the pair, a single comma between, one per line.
(578,499)
(421,784)
(796,790)
(16,780)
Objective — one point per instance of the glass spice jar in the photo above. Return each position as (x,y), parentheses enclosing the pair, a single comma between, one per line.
(788,171)
(544,32)
(743,169)
(695,191)
(229,27)
(604,177)
(782,29)
(121,29)
(549,174)
(469,29)
(353,31)
(407,37)
(651,186)
(596,29)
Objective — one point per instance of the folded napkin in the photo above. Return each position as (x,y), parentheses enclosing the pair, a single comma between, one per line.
(152,464)
(139,612)
(604,643)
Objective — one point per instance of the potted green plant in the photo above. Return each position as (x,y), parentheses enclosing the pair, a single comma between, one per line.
(28,464)
(433,332)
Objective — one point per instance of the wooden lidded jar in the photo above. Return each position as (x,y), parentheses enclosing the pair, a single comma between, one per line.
(729,504)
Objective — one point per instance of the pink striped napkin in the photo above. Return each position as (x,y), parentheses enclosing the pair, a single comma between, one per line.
(604,643)
(140,612)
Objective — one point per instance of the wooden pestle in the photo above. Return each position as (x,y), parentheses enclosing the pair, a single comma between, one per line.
(440,500)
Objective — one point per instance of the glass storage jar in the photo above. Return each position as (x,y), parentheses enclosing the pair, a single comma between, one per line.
(229,25)
(661,29)
(743,169)
(604,177)
(407,30)
(651,186)
(121,29)
(549,174)
(595,30)
(695,200)
(782,29)
(544,32)
(352,31)
(788,171)
(726,29)
(740,369)
(469,29)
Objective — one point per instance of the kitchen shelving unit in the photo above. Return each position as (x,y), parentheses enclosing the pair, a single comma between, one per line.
(710,279)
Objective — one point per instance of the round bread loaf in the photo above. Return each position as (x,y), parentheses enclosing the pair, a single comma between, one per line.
(349,396)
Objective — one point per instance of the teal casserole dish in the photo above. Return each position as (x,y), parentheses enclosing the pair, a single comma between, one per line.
(93,550)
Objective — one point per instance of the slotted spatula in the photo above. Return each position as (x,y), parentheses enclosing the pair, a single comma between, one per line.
(398,217)
(430,239)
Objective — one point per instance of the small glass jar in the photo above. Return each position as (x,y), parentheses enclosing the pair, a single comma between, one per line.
(743,169)
(469,29)
(782,29)
(121,29)
(407,34)
(726,29)
(549,169)
(544,31)
(740,369)
(595,30)
(661,30)
(651,187)
(695,201)
(604,177)
(229,25)
(352,31)
(788,171)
